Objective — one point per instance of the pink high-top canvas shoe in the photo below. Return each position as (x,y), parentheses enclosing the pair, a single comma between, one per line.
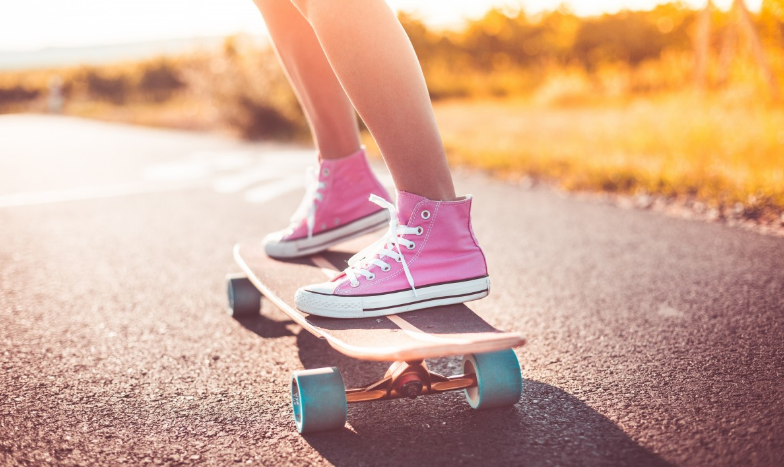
(429,256)
(334,209)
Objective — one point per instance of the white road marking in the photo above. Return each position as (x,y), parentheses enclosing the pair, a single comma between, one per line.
(198,165)
(224,172)
(273,190)
(95,192)
(246,178)
(263,177)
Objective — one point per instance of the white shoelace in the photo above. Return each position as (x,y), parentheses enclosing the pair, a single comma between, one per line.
(307,208)
(386,246)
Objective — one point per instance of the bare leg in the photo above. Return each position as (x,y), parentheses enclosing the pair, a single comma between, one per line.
(375,63)
(373,60)
(329,113)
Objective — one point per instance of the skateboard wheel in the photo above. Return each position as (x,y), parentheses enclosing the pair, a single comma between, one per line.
(244,297)
(499,382)
(318,398)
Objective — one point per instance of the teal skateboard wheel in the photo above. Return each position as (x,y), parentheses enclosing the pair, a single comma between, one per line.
(499,382)
(244,297)
(318,398)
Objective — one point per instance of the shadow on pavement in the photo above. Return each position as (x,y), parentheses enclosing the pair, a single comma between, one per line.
(547,427)
(263,326)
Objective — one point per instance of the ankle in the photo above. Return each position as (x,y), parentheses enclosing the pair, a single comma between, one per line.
(433,193)
(338,148)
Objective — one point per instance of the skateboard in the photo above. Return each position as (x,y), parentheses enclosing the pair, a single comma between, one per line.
(491,372)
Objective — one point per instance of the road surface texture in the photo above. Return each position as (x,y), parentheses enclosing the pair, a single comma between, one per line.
(652,341)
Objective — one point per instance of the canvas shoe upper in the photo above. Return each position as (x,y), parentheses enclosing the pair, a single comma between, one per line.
(333,210)
(428,256)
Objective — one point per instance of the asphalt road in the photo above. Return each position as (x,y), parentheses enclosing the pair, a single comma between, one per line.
(651,340)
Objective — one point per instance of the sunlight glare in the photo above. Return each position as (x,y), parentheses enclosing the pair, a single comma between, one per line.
(35,24)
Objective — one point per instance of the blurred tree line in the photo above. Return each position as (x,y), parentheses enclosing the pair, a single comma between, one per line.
(151,81)
(554,56)
(504,38)
(532,47)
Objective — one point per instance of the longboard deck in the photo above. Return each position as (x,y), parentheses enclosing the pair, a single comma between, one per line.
(427,333)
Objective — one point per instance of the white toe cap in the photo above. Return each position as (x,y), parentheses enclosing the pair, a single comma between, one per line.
(275,246)
(326,288)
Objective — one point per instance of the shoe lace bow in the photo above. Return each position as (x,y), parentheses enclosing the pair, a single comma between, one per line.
(387,246)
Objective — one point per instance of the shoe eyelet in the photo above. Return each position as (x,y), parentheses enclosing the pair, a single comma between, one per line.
(324,172)
(386,268)
(420,230)
(371,277)
(411,246)
(399,259)
(323,226)
(355,284)
(425,214)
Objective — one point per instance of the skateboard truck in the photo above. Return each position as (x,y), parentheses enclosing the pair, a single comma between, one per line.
(409,379)
(320,399)
(411,388)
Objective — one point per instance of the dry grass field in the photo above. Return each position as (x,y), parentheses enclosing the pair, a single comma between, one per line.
(681,146)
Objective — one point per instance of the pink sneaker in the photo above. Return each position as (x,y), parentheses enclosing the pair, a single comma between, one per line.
(428,257)
(334,209)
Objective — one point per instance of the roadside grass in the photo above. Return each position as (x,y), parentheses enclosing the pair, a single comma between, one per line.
(181,112)
(716,150)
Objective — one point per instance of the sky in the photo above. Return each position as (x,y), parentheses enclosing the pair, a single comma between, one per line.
(37,24)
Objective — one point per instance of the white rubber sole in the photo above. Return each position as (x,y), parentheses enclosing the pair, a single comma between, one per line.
(320,242)
(368,306)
